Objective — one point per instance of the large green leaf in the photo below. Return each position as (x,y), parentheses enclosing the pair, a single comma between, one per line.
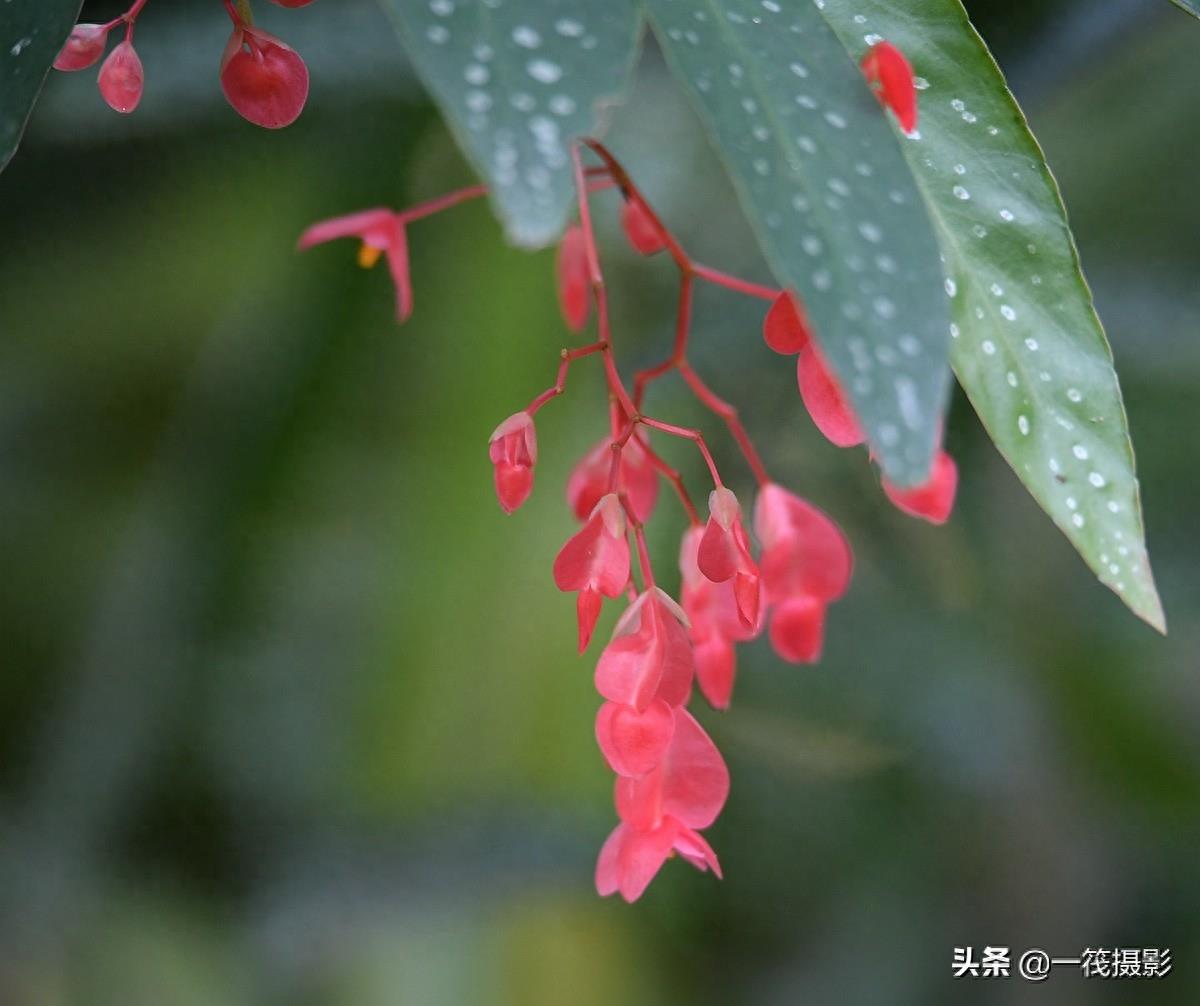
(826,187)
(31,34)
(517,81)
(1191,6)
(1028,347)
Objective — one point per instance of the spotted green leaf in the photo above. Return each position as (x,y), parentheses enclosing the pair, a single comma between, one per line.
(517,80)
(1027,347)
(824,183)
(31,34)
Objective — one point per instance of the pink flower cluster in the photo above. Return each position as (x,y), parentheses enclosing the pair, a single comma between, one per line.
(264,79)
(671,781)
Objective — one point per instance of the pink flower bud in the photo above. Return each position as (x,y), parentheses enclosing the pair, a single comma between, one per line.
(264,79)
(785,329)
(595,562)
(640,230)
(122,78)
(83,48)
(724,554)
(513,450)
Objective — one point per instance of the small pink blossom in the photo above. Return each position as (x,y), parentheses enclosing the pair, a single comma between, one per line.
(715,624)
(724,553)
(649,655)
(595,562)
(513,452)
(636,477)
(382,232)
(630,859)
(933,501)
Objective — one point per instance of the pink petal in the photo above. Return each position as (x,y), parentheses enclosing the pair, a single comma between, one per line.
(826,402)
(632,742)
(377,223)
(574,284)
(692,847)
(695,781)
(598,554)
(639,228)
(631,666)
(798,629)
(804,551)
(934,501)
(587,611)
(608,865)
(785,329)
(641,856)
(83,48)
(886,66)
(716,667)
(397,256)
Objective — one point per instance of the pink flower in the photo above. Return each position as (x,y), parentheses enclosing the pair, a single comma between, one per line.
(637,477)
(513,451)
(715,624)
(890,75)
(381,232)
(649,655)
(574,280)
(825,400)
(934,500)
(785,328)
(640,230)
(724,553)
(595,561)
(630,859)
(122,78)
(806,564)
(264,79)
(662,810)
(84,46)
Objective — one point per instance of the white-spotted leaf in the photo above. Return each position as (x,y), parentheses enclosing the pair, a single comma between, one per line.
(518,80)
(31,34)
(825,184)
(1027,347)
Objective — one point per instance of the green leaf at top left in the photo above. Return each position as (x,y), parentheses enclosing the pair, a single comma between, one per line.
(31,34)
(518,80)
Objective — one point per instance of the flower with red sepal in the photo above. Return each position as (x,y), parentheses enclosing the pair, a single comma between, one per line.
(513,452)
(595,562)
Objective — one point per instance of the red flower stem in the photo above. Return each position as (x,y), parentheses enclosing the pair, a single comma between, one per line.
(672,475)
(615,385)
(729,414)
(598,182)
(639,536)
(618,445)
(568,356)
(718,278)
(695,436)
(683,322)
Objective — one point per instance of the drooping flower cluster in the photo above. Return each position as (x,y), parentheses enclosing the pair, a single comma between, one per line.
(264,79)
(671,781)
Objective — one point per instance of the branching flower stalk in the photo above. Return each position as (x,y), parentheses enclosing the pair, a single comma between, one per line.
(671,782)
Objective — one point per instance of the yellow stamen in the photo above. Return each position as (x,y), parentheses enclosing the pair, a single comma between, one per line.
(368,255)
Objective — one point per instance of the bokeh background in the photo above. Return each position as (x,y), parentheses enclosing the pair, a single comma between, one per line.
(290,712)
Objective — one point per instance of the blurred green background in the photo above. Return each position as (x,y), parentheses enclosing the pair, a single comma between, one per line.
(289,710)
